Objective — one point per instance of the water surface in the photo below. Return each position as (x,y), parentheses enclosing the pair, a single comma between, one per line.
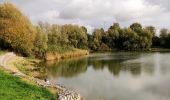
(115,76)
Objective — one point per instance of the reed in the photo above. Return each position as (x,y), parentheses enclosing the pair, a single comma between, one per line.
(69,54)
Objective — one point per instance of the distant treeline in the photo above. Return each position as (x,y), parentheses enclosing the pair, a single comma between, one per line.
(19,35)
(135,37)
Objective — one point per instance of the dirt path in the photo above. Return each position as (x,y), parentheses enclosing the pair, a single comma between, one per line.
(5,62)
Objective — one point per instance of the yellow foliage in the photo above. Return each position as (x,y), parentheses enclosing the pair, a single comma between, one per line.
(16,31)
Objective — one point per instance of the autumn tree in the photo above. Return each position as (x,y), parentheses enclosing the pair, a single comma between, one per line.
(16,31)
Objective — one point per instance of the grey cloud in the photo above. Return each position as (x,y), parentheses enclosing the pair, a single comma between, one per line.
(162,3)
(98,13)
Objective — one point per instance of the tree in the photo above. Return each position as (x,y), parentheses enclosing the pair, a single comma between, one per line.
(145,41)
(163,37)
(130,39)
(151,29)
(96,39)
(137,27)
(113,35)
(163,33)
(145,35)
(40,43)
(156,41)
(77,35)
(133,38)
(56,36)
(16,31)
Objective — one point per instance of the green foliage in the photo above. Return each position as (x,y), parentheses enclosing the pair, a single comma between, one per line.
(163,40)
(18,34)
(137,27)
(68,36)
(77,35)
(98,40)
(56,36)
(40,43)
(133,38)
(12,88)
(16,31)
(59,49)
(151,29)
(97,36)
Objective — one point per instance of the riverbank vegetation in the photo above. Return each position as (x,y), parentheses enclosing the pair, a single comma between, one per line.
(29,67)
(19,35)
(14,88)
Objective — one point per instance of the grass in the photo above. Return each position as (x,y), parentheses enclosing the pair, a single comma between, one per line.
(2,52)
(74,53)
(56,52)
(13,88)
(29,67)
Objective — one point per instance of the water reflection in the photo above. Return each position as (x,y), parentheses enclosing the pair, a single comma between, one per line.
(115,63)
(67,68)
(117,76)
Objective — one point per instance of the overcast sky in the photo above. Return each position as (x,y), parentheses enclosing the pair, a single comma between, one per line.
(97,13)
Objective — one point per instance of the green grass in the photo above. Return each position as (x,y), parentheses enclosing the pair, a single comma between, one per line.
(12,88)
(2,52)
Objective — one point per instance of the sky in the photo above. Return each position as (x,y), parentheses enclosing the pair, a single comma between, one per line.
(97,13)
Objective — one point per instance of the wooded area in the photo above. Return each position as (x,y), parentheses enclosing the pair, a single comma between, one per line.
(19,35)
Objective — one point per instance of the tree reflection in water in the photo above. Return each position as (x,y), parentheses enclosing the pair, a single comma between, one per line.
(114,63)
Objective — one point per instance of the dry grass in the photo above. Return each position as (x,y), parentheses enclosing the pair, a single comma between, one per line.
(28,67)
(74,53)
(70,54)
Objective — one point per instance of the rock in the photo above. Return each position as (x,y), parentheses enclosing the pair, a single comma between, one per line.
(68,95)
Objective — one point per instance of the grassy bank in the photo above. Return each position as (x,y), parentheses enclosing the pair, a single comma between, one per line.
(29,67)
(13,88)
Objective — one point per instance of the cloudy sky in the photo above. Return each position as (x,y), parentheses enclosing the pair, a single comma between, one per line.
(97,13)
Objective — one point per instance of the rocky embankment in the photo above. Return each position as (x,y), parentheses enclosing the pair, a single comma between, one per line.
(62,92)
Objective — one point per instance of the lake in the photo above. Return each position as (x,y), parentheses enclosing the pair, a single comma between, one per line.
(115,76)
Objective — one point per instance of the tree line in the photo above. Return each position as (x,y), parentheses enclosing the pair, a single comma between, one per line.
(134,37)
(19,35)
(163,40)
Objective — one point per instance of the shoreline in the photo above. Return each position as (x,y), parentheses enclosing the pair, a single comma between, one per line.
(62,93)
(150,50)
(8,59)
